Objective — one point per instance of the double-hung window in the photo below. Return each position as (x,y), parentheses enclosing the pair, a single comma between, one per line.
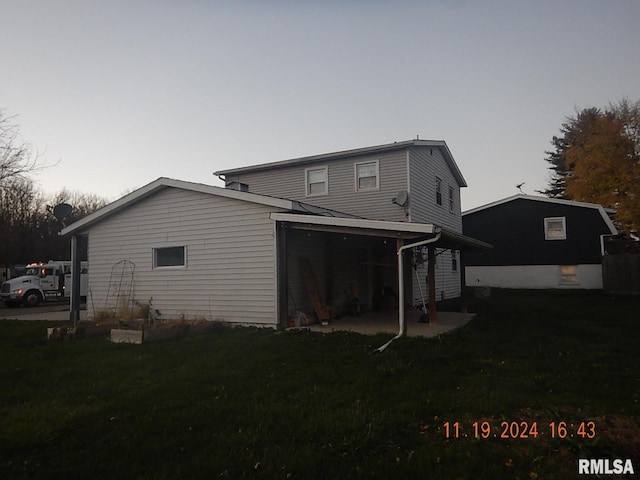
(367,176)
(316,180)
(555,228)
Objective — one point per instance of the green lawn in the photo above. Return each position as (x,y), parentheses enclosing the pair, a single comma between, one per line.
(251,403)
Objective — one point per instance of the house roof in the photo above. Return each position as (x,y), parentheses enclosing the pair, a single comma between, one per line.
(603,212)
(163,182)
(352,153)
(303,215)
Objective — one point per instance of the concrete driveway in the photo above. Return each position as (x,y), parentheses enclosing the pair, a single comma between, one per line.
(54,311)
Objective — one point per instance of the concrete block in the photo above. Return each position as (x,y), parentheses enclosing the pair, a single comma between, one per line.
(126,336)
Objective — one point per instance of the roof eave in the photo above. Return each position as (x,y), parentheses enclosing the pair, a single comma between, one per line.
(162,183)
(349,153)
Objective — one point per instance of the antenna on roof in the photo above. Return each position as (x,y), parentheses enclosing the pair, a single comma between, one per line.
(519,187)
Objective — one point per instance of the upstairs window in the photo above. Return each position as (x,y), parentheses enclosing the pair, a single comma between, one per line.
(316,181)
(438,191)
(169,257)
(555,228)
(367,176)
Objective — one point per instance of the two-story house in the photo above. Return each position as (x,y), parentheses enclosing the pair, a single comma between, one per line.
(411,181)
(319,234)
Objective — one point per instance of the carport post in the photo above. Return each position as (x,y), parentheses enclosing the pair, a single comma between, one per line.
(74,311)
(431,284)
(401,320)
(463,283)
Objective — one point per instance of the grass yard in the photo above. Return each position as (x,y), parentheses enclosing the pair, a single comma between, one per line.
(251,403)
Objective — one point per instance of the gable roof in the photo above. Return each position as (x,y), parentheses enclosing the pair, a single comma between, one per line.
(446,153)
(572,203)
(163,182)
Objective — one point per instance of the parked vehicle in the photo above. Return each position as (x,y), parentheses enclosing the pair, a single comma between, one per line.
(41,282)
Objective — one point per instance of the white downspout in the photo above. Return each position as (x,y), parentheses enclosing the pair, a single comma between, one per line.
(401,320)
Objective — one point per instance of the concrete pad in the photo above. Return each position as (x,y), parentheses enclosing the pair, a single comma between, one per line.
(372,323)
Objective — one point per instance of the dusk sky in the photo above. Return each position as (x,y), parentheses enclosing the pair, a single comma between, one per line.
(114,94)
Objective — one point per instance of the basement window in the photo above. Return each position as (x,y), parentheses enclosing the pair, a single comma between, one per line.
(568,275)
(555,228)
(169,257)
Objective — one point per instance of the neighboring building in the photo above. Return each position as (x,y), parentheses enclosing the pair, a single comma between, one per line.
(538,242)
(252,253)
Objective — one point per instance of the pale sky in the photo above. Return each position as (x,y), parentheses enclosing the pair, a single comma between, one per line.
(117,93)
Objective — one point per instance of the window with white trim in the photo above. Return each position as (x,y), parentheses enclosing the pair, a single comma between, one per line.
(454,260)
(438,191)
(367,176)
(316,180)
(555,228)
(169,257)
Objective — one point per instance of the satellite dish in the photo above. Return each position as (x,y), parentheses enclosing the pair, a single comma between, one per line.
(62,210)
(401,198)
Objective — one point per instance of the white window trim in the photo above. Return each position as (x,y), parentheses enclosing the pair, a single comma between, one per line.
(326,181)
(167,267)
(356,178)
(548,220)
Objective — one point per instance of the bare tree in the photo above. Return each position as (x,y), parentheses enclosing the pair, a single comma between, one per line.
(18,217)
(16,157)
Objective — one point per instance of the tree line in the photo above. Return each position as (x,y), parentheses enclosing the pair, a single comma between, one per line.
(28,230)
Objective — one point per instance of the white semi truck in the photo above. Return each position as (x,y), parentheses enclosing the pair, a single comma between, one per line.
(42,281)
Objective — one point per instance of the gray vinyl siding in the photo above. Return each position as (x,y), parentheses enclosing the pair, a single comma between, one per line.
(289,182)
(425,164)
(231,270)
(447,280)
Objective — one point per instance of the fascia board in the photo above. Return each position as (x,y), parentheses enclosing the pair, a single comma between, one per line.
(418,228)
